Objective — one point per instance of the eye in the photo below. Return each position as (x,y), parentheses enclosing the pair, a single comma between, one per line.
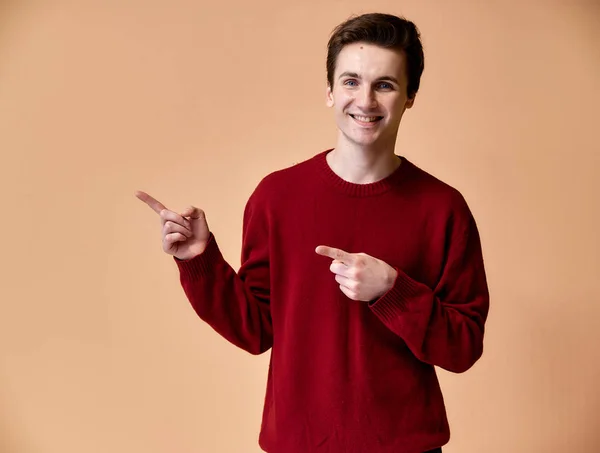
(349,81)
(386,86)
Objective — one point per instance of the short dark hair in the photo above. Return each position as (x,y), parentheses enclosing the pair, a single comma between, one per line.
(383,30)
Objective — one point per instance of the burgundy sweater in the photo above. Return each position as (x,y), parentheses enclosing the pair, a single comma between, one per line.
(348,376)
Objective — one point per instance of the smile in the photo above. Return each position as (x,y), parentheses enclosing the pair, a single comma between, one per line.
(366,120)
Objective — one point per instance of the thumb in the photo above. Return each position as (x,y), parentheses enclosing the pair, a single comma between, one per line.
(192,212)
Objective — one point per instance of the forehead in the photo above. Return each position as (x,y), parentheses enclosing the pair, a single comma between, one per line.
(370,61)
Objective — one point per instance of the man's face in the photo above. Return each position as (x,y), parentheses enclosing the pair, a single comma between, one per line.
(369,94)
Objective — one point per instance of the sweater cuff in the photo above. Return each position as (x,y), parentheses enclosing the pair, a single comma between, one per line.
(201,265)
(397,300)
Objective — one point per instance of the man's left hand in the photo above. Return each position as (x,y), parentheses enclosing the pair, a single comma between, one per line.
(360,276)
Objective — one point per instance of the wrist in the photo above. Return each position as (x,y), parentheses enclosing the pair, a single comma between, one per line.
(391,278)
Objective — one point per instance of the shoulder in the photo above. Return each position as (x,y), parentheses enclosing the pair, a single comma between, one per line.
(437,196)
(278,183)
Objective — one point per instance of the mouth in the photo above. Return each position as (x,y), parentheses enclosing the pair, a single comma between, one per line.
(366,120)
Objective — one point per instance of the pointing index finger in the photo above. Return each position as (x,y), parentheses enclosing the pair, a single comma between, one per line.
(156,205)
(335,254)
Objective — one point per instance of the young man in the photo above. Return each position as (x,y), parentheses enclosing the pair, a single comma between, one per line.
(360,271)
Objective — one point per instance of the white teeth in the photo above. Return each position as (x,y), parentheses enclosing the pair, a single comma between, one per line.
(366,119)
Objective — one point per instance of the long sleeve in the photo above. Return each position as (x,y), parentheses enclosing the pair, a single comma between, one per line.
(443,326)
(236,305)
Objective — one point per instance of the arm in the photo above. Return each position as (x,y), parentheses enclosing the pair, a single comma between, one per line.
(443,326)
(236,305)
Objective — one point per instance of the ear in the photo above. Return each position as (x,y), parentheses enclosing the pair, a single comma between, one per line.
(329,96)
(410,102)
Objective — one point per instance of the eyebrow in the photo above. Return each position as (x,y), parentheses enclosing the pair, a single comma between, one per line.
(354,75)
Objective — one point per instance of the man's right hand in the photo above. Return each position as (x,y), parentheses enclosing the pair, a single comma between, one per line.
(184,235)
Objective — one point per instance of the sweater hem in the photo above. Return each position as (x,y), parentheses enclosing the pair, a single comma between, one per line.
(410,445)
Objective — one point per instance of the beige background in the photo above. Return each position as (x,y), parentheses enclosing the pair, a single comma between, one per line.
(194,102)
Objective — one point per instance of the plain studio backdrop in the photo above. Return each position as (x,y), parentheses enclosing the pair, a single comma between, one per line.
(195,102)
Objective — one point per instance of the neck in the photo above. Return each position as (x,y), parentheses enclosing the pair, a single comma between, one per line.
(360,165)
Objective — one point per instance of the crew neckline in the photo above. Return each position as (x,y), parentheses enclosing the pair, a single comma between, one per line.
(361,190)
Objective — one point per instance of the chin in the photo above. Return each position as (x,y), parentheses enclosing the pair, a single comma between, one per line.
(363,140)
(365,143)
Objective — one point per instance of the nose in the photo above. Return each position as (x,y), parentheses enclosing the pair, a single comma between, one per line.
(366,99)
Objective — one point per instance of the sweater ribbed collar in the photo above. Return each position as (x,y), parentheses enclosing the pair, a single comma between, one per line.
(361,190)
